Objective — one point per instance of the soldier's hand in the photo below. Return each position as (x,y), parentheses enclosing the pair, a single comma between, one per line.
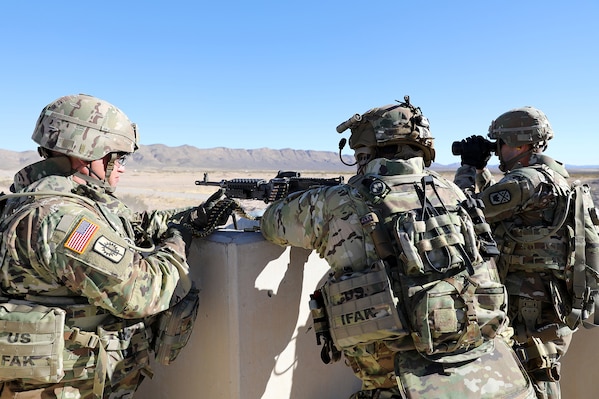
(213,212)
(475,151)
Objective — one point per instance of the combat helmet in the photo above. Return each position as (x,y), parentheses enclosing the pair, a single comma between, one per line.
(85,127)
(399,123)
(521,126)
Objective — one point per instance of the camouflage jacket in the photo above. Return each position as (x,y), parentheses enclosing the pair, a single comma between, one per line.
(327,220)
(78,240)
(77,247)
(524,208)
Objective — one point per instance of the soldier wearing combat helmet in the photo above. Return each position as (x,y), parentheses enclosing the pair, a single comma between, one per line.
(86,281)
(528,210)
(413,301)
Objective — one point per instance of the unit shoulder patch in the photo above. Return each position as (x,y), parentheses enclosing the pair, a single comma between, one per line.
(109,249)
(500,197)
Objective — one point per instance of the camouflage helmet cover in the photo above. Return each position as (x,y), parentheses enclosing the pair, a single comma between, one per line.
(85,127)
(399,123)
(521,126)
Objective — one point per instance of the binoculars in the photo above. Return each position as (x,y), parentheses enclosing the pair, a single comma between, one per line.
(457,147)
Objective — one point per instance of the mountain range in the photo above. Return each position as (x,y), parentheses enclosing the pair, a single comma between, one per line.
(160,156)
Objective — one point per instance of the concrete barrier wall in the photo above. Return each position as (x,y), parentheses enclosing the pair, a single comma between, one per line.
(253,337)
(580,366)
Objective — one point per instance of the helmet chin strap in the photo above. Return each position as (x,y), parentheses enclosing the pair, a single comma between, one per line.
(508,165)
(110,165)
(109,169)
(92,177)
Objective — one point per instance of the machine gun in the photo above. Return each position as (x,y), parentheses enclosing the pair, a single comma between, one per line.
(285,182)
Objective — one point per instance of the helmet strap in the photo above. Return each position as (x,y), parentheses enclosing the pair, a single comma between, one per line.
(93,178)
(507,165)
(364,160)
(110,165)
(109,170)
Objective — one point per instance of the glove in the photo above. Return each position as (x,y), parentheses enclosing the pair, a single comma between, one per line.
(475,151)
(199,216)
(214,212)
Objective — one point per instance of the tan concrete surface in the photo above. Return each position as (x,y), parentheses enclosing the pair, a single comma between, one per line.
(252,338)
(580,366)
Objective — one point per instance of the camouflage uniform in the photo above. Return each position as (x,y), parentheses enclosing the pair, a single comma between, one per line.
(121,284)
(108,280)
(327,220)
(525,199)
(413,300)
(534,214)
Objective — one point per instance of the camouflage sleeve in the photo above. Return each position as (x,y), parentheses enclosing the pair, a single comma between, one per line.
(471,180)
(465,178)
(155,223)
(507,197)
(484,179)
(93,260)
(325,219)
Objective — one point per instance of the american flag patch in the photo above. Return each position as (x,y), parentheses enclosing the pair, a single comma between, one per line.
(81,236)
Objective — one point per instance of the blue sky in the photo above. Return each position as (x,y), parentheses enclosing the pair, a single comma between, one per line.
(284,74)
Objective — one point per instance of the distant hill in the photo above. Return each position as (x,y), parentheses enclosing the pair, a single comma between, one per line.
(159,156)
(12,160)
(189,157)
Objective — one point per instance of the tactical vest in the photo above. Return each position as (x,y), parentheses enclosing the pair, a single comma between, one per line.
(433,290)
(564,242)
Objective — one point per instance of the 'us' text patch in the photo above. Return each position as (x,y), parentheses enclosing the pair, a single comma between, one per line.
(81,236)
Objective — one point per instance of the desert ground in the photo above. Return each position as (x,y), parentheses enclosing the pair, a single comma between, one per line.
(163,189)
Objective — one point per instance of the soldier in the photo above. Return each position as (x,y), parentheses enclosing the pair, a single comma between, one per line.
(87,285)
(413,300)
(527,210)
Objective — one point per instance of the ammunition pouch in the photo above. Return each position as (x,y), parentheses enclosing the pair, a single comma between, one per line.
(31,342)
(115,350)
(362,309)
(174,327)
